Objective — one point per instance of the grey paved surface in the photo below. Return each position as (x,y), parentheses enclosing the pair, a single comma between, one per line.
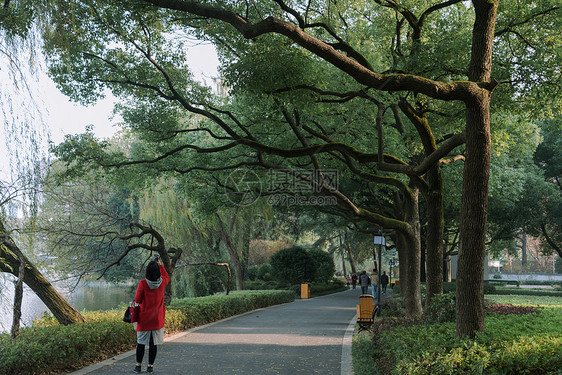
(303,337)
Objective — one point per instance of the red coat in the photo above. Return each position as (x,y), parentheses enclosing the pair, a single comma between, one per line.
(152,310)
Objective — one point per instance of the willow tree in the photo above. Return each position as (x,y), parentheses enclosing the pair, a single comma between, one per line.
(25,136)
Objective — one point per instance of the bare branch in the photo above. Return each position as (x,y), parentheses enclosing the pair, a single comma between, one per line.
(524,21)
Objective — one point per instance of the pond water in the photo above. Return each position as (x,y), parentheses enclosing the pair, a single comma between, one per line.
(91,296)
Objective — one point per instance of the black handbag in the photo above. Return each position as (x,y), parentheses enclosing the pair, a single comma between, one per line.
(131,314)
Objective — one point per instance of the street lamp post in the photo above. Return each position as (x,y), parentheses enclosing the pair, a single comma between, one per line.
(381,241)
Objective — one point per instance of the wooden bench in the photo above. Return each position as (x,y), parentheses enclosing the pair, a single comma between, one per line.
(366,311)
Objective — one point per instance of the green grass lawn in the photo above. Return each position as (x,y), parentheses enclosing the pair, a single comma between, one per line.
(516,343)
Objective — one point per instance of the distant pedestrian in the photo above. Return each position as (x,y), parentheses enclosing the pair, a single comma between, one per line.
(374,282)
(150,326)
(347,280)
(353,280)
(364,281)
(384,282)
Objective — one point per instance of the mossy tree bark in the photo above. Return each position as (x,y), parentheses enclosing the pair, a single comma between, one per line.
(470,272)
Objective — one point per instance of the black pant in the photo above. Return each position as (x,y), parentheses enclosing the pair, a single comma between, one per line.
(152,350)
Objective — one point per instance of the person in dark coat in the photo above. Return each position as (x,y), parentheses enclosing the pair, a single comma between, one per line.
(384,282)
(150,325)
(354,280)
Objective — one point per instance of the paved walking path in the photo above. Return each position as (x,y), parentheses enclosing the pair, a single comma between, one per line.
(310,336)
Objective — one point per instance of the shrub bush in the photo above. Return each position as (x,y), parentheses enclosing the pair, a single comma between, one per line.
(253,272)
(60,348)
(449,287)
(260,272)
(194,312)
(265,285)
(318,289)
(489,289)
(539,282)
(265,272)
(442,308)
(293,265)
(324,267)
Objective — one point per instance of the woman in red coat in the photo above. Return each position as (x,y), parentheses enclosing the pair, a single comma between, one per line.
(150,325)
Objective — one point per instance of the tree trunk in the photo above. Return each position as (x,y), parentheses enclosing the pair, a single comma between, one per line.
(18,296)
(233,254)
(235,261)
(409,251)
(524,251)
(423,273)
(435,229)
(61,309)
(550,241)
(446,261)
(470,273)
(246,250)
(412,242)
(350,254)
(432,273)
(402,250)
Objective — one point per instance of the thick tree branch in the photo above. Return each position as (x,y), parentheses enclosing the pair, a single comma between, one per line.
(550,241)
(460,90)
(428,161)
(170,153)
(347,205)
(434,8)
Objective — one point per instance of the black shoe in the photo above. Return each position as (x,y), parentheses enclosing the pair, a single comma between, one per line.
(137,369)
(150,369)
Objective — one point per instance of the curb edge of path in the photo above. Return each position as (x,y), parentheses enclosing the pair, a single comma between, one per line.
(346,358)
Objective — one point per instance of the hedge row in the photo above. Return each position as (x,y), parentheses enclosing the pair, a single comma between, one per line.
(533,282)
(527,292)
(192,312)
(51,349)
(449,287)
(316,288)
(48,348)
(492,287)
